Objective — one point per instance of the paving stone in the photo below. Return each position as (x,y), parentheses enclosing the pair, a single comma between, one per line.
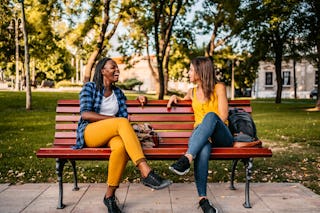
(178,198)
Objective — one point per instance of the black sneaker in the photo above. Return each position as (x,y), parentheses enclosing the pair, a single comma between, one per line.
(207,206)
(111,204)
(154,181)
(181,166)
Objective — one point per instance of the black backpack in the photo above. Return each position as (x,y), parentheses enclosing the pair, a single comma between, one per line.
(242,126)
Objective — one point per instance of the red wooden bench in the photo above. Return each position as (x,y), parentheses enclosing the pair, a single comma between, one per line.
(173,125)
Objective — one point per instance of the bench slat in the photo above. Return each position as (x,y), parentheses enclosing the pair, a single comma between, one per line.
(176,126)
(157,102)
(161,109)
(66,126)
(151,153)
(67,118)
(161,134)
(164,142)
(65,135)
(161,118)
(156,126)
(142,110)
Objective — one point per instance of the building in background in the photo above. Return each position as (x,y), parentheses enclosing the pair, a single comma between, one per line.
(266,85)
(140,71)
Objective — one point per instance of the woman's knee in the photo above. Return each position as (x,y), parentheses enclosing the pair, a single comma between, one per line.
(211,116)
(116,144)
(123,121)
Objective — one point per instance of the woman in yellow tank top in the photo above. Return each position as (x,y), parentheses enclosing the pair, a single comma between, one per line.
(210,106)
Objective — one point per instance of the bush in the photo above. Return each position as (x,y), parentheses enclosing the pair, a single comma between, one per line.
(175,92)
(67,84)
(129,84)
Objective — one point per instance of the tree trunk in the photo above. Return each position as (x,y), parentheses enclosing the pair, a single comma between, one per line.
(211,46)
(90,63)
(278,49)
(318,71)
(26,58)
(278,78)
(161,83)
(99,47)
(166,70)
(153,72)
(294,77)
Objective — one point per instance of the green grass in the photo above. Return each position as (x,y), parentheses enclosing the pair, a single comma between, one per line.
(289,129)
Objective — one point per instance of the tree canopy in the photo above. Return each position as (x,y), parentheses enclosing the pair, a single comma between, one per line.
(61,32)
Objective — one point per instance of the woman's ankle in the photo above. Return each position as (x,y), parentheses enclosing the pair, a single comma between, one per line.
(190,157)
(111,190)
(202,197)
(144,169)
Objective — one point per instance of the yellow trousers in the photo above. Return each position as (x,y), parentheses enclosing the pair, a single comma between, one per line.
(117,134)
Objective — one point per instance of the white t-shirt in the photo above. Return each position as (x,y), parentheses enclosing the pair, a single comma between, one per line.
(109,105)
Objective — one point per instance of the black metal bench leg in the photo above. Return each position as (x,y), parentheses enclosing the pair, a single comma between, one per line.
(234,166)
(75,177)
(248,165)
(59,170)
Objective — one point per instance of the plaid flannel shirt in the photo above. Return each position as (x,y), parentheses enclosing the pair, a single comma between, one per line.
(90,100)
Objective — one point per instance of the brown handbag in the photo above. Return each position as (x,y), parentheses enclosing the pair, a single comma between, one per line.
(146,135)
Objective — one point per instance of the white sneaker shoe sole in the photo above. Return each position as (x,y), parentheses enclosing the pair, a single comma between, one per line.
(177,172)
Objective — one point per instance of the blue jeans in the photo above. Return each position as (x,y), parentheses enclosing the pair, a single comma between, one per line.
(200,147)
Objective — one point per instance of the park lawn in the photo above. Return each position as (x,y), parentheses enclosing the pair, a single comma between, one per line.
(289,128)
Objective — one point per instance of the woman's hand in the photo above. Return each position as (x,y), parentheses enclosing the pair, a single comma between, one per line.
(172,99)
(142,100)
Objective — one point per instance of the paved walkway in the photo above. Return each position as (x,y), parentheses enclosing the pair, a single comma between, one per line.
(178,198)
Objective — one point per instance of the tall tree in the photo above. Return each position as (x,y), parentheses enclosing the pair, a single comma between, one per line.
(26,57)
(159,18)
(104,36)
(310,22)
(268,26)
(7,41)
(48,55)
(217,19)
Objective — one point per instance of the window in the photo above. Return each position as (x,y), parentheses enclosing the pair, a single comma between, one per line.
(286,78)
(269,78)
(316,78)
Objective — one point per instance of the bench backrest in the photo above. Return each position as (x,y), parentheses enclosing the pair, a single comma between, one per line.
(173,125)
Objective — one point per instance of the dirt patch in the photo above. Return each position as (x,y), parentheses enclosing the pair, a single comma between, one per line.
(274,146)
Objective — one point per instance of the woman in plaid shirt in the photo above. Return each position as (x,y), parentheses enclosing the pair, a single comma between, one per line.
(104,122)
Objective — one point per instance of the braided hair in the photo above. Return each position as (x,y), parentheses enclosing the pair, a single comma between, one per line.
(98,78)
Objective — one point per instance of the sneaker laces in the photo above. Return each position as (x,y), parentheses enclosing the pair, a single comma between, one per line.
(154,178)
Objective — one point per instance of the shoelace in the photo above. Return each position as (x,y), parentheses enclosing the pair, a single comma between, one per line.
(156,178)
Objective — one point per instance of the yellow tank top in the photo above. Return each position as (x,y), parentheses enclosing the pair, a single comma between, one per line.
(201,109)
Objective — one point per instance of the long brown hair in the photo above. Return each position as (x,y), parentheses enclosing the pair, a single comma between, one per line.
(203,66)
